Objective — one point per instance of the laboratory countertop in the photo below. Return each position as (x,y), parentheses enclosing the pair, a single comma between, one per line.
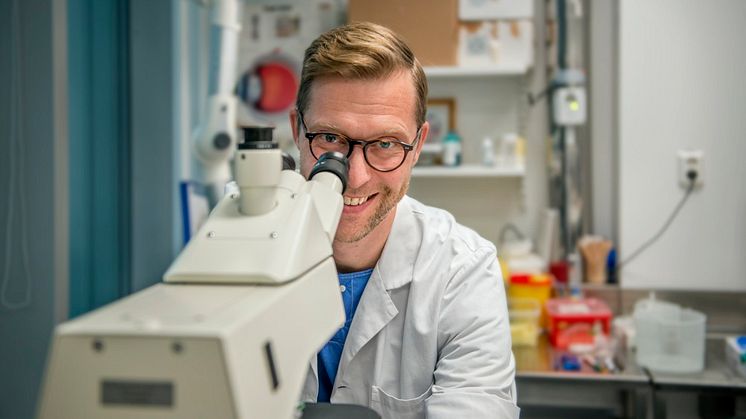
(540,362)
(716,374)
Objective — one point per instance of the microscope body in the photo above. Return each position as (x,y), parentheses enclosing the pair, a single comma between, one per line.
(231,330)
(275,247)
(194,351)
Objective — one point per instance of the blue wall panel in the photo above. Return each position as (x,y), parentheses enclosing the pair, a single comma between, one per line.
(27,199)
(99,153)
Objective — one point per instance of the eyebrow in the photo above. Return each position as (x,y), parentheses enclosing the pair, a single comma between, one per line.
(326,126)
(333,129)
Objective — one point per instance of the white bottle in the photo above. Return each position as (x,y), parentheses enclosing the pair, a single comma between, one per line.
(488,152)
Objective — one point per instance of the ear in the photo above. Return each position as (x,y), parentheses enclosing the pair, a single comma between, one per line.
(294,126)
(424,131)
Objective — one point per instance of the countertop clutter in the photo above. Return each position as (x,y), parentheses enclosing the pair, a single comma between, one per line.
(578,362)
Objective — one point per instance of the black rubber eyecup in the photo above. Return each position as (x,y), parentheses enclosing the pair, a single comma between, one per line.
(333,162)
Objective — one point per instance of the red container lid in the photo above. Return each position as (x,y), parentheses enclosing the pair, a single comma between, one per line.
(531,279)
(577,308)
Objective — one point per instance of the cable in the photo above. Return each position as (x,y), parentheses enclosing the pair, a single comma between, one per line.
(510,227)
(692,176)
(16,142)
(561,35)
(534,98)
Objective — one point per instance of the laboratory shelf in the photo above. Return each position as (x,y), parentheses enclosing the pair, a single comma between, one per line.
(461,71)
(467,170)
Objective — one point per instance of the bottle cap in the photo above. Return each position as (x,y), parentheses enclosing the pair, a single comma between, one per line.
(452,136)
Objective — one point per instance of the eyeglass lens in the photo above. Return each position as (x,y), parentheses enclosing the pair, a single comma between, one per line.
(381,154)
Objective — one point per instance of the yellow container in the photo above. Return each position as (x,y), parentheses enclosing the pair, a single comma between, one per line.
(532,286)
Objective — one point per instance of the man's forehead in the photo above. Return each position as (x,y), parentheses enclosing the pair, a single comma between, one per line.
(396,89)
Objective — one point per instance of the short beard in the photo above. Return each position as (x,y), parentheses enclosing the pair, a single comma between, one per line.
(388,200)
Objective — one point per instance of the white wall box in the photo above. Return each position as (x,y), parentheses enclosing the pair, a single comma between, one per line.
(495,9)
(501,43)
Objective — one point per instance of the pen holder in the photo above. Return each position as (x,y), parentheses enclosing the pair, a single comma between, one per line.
(595,251)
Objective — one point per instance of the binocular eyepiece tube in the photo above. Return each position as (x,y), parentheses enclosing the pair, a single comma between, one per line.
(257,168)
(332,168)
(259,162)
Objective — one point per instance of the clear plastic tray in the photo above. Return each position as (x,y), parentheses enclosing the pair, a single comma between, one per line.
(524,321)
(669,338)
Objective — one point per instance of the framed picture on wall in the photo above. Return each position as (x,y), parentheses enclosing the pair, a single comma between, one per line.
(441,114)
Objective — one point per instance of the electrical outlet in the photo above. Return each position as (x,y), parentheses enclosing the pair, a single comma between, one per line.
(691,161)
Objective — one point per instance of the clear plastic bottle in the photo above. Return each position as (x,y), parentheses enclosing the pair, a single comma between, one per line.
(575,276)
(488,152)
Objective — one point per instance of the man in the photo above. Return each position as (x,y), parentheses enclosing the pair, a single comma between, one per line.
(427,331)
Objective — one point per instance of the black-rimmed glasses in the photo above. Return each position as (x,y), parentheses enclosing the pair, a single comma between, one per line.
(383,154)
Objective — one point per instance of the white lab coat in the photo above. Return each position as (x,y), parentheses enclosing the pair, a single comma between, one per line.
(430,337)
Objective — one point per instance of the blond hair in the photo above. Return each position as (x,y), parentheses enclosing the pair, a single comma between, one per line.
(362,51)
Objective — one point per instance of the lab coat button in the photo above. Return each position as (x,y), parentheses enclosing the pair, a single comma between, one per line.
(342,288)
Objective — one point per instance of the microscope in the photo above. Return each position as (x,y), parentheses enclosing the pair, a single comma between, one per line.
(242,310)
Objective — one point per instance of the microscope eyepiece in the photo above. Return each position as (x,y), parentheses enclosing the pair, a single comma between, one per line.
(257,138)
(333,162)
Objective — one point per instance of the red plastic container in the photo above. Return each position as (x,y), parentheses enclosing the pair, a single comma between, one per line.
(565,312)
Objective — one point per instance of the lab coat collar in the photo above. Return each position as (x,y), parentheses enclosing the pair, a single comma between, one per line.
(397,261)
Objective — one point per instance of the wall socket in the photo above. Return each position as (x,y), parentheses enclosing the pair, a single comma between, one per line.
(691,160)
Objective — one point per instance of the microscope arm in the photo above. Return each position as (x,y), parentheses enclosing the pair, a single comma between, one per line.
(215,141)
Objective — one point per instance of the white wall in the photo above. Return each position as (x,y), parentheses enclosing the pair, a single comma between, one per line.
(681,85)
(603,66)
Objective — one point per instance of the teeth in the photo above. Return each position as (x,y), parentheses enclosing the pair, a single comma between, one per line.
(355,201)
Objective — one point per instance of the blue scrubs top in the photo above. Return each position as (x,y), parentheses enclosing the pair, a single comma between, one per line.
(351,285)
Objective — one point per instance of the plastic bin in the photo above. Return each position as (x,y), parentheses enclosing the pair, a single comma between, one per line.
(669,338)
(524,321)
(564,313)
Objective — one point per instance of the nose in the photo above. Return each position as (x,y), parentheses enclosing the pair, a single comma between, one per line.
(359,170)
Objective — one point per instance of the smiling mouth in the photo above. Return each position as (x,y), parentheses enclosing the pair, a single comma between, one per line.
(355,201)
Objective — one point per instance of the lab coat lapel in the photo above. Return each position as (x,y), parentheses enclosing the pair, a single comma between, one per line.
(393,270)
(311,386)
(373,313)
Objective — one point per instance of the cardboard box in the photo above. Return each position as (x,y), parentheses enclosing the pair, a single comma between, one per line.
(429,28)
